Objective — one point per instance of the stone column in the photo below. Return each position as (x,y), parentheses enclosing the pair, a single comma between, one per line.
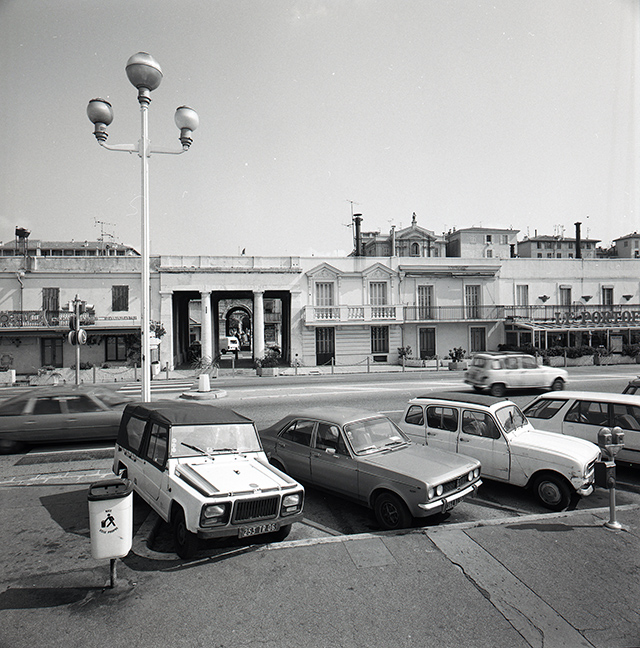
(166,319)
(206,337)
(258,323)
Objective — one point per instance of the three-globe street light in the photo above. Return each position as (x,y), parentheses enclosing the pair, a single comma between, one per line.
(145,74)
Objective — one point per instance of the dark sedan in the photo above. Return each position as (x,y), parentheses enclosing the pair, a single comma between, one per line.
(365,457)
(60,414)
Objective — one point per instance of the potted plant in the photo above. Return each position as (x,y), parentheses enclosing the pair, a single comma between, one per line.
(269,365)
(456,359)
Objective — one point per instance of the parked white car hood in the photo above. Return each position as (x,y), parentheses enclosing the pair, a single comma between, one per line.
(531,443)
(232,475)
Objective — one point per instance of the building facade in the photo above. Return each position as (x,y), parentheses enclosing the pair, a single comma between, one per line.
(315,311)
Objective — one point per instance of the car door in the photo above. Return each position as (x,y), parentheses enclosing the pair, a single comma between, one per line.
(442,427)
(627,417)
(332,465)
(154,460)
(585,418)
(413,424)
(88,419)
(45,421)
(480,437)
(293,448)
(531,375)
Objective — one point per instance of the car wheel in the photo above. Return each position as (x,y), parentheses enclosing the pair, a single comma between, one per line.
(391,512)
(186,543)
(281,534)
(557,385)
(552,492)
(8,446)
(498,390)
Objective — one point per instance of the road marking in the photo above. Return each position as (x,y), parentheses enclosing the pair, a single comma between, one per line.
(537,622)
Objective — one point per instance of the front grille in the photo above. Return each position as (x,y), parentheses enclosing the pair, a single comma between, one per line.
(591,469)
(256,509)
(454,484)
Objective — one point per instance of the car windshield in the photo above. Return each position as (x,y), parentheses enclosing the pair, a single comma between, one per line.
(374,435)
(191,440)
(511,418)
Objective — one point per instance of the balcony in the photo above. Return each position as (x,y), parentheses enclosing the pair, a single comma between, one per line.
(353,314)
(453,313)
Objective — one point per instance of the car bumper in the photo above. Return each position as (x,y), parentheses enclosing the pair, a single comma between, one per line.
(249,529)
(585,490)
(444,504)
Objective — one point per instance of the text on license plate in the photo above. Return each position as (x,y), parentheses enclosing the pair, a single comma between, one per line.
(251,531)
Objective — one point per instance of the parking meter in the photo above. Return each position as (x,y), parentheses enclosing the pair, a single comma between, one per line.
(610,441)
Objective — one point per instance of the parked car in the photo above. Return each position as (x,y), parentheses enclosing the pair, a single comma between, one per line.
(203,470)
(229,343)
(60,415)
(497,372)
(633,387)
(582,414)
(496,432)
(365,457)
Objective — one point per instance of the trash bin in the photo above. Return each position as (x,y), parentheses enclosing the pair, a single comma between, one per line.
(111,518)
(203,383)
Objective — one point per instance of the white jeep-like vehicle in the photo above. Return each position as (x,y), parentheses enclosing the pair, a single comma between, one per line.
(203,470)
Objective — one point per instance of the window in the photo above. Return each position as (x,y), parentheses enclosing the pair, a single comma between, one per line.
(529,363)
(415,249)
(607,296)
(626,416)
(442,418)
(522,295)
(378,293)
(565,296)
(51,299)
(589,412)
(489,254)
(379,339)
(328,438)
(324,293)
(157,450)
(79,404)
(415,415)
(133,432)
(299,432)
(425,302)
(472,301)
(47,405)
(51,352)
(478,339)
(504,239)
(115,348)
(120,298)
(479,424)
(488,238)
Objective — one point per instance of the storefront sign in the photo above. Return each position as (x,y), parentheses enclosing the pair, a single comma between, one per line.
(607,317)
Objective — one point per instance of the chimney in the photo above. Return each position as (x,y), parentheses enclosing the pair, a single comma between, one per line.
(357,219)
(393,240)
(578,242)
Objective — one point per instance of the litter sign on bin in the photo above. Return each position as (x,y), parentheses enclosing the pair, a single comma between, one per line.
(111,518)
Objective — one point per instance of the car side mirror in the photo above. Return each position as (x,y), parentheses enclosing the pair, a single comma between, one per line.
(330,451)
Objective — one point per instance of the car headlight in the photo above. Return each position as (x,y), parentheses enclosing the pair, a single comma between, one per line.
(471,475)
(439,490)
(291,503)
(214,514)
(430,492)
(476,473)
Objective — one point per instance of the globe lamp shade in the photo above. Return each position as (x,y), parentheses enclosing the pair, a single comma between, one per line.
(144,71)
(187,121)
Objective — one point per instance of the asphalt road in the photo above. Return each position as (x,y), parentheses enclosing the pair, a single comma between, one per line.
(267,400)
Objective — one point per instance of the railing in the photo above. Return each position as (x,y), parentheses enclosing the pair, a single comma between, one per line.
(452,313)
(353,314)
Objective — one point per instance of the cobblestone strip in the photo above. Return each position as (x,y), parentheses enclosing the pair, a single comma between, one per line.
(73,477)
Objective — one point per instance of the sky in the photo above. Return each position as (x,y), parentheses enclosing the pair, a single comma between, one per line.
(502,113)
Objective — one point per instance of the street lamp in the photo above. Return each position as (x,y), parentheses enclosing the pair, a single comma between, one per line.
(145,74)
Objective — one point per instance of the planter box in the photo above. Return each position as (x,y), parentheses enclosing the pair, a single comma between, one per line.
(458,366)
(268,371)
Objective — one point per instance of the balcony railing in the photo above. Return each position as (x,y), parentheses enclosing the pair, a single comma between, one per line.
(452,313)
(353,314)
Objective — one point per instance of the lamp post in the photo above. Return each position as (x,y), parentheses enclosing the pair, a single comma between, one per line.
(145,74)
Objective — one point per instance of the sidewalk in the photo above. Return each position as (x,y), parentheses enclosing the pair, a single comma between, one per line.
(551,580)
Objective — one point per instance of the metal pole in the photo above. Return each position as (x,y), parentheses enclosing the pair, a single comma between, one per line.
(76,312)
(112,570)
(612,523)
(145,347)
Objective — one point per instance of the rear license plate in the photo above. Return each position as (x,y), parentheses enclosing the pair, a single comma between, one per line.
(256,530)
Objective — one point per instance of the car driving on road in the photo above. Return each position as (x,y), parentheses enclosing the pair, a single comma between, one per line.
(497,372)
(365,457)
(496,432)
(60,415)
(203,470)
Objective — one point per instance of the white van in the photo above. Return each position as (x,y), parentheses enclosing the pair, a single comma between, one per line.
(229,343)
(582,414)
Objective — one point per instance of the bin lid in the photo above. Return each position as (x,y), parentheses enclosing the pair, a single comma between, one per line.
(109,489)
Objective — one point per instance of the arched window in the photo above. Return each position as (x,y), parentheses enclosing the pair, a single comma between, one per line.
(415,249)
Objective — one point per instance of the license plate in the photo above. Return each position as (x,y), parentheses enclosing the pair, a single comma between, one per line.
(449,505)
(256,530)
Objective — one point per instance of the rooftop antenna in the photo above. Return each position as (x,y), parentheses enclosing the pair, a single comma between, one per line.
(352,223)
(103,233)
